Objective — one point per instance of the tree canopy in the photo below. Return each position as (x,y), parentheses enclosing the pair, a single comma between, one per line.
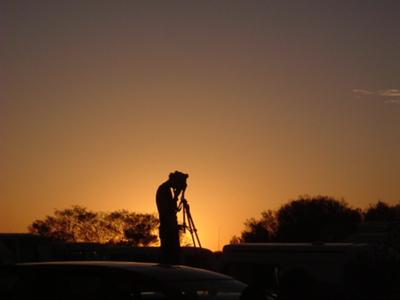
(306,219)
(78,224)
(258,230)
(382,211)
(319,218)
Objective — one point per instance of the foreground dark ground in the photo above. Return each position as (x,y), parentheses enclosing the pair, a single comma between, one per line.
(291,270)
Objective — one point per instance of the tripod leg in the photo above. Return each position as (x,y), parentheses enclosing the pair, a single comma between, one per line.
(190,227)
(195,233)
(193,239)
(184,217)
(193,230)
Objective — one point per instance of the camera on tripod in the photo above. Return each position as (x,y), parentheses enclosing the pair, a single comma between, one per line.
(188,223)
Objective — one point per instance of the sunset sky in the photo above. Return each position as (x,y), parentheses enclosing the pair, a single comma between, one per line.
(259,101)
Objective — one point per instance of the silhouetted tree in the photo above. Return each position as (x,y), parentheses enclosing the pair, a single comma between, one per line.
(133,228)
(382,212)
(384,220)
(77,224)
(319,218)
(258,230)
(306,219)
(235,240)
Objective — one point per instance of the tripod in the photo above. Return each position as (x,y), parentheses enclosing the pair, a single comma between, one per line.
(188,222)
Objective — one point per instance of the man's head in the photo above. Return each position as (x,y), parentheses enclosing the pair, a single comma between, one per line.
(178,180)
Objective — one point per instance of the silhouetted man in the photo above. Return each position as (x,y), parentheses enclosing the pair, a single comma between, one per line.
(167,205)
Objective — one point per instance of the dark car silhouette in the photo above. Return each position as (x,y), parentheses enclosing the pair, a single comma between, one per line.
(120,280)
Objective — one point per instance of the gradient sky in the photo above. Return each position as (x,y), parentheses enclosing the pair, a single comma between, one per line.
(259,101)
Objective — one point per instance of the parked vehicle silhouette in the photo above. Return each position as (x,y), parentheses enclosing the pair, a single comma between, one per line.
(120,280)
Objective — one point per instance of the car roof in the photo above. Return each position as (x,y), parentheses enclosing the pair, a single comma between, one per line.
(156,271)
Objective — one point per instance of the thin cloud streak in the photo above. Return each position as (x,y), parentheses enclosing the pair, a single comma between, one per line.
(388,93)
(361,92)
